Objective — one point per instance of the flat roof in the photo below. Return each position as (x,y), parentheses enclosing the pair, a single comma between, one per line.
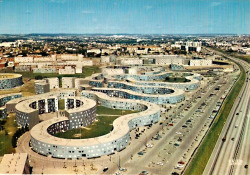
(9,76)
(40,82)
(176,92)
(191,78)
(24,105)
(87,104)
(13,163)
(121,128)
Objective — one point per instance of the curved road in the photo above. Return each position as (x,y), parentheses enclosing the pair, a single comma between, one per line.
(230,156)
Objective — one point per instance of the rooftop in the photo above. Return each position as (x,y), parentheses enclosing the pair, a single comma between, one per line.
(13,163)
(121,128)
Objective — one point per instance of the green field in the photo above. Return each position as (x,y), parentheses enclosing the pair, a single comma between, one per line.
(5,140)
(102,126)
(204,152)
(243,57)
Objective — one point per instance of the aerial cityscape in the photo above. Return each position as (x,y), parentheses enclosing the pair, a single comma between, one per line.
(156,87)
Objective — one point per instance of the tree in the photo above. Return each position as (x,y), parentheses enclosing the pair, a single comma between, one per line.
(6,132)
(38,77)
(17,134)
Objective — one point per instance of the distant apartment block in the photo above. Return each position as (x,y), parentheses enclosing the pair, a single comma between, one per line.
(53,82)
(68,82)
(67,70)
(41,86)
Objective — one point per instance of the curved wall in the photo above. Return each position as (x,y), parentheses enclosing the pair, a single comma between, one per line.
(175,97)
(45,143)
(9,81)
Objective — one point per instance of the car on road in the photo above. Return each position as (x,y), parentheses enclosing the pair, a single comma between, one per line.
(149,145)
(181,162)
(105,169)
(176,144)
(144,172)
(160,163)
(175,173)
(140,153)
(123,169)
(179,166)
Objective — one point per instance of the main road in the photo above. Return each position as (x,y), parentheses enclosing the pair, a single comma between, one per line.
(232,153)
(165,154)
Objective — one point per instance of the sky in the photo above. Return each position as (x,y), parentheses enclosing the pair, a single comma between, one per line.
(125,16)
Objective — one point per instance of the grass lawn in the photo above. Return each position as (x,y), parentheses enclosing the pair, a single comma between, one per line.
(204,152)
(102,126)
(108,111)
(61,104)
(5,140)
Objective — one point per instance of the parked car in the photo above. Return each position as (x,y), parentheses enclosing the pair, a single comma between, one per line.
(105,169)
(144,172)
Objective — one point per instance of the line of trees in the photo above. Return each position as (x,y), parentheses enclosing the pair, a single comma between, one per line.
(17,134)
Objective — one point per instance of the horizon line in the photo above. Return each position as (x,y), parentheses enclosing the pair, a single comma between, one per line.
(122,34)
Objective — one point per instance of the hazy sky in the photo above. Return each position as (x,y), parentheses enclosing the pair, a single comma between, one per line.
(125,16)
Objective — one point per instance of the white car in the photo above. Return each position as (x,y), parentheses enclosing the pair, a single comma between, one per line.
(149,145)
(160,163)
(123,169)
(180,166)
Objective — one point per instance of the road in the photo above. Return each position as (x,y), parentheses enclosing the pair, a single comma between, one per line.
(230,156)
(169,154)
